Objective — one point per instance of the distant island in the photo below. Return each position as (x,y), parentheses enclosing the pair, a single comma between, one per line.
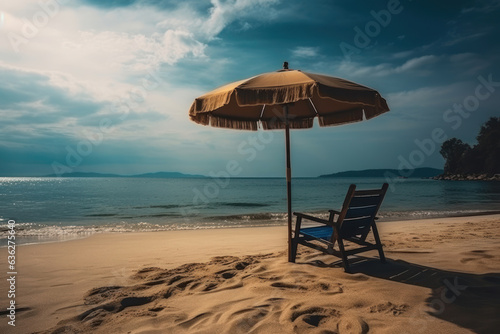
(158,175)
(425,172)
(416,173)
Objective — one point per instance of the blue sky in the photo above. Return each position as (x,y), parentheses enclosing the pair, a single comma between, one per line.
(105,86)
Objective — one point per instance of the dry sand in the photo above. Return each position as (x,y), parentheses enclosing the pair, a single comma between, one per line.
(442,276)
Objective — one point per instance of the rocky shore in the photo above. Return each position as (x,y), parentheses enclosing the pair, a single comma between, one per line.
(473,177)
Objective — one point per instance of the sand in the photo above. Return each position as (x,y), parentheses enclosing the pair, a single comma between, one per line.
(442,276)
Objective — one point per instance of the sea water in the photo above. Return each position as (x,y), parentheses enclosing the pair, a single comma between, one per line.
(55,209)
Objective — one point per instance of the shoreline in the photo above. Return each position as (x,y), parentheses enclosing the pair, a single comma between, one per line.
(54,279)
(93,230)
(467,177)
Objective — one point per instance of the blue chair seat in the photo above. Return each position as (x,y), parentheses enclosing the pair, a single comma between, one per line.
(318,232)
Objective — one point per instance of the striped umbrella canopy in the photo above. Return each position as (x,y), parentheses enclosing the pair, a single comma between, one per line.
(287,99)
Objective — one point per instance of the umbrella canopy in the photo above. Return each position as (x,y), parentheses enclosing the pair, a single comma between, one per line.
(287,99)
(244,104)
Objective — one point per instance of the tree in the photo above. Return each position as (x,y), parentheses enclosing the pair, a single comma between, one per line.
(453,151)
(483,158)
(488,145)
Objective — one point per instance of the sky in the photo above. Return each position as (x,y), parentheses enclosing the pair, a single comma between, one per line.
(105,86)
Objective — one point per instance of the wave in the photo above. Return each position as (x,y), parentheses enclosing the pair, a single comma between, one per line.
(163,206)
(243,204)
(210,204)
(33,233)
(425,214)
(27,233)
(250,217)
(102,215)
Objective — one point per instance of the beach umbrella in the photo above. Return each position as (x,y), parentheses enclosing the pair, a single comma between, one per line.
(287,99)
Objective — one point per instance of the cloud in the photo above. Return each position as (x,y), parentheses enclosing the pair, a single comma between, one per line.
(87,58)
(417,64)
(456,38)
(305,52)
(483,6)
(117,38)
(225,12)
(207,24)
(425,98)
(31,106)
(137,52)
(89,62)
(402,54)
(110,3)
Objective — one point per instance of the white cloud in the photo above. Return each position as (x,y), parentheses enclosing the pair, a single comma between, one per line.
(426,98)
(137,52)
(224,12)
(415,64)
(402,54)
(305,52)
(221,14)
(106,46)
(101,54)
(456,38)
(84,62)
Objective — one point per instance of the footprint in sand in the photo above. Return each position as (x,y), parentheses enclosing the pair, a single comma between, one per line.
(389,308)
(283,285)
(241,265)
(155,282)
(182,285)
(315,316)
(352,325)
(226,273)
(97,295)
(328,289)
(475,255)
(95,316)
(210,286)
(156,309)
(175,279)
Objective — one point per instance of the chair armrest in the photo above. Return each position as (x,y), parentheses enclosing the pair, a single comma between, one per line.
(314,219)
(334,211)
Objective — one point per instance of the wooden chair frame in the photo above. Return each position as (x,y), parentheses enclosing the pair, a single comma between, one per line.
(353,223)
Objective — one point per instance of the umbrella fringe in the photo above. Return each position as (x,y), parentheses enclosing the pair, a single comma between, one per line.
(305,123)
(220,122)
(350,116)
(274,124)
(275,95)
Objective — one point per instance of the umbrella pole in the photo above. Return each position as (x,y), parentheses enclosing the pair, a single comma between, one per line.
(288,182)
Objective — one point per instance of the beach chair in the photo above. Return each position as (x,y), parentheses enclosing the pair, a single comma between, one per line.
(353,223)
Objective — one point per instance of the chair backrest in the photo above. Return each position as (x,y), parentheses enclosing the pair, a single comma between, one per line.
(359,210)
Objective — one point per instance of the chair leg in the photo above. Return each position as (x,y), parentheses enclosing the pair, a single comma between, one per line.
(344,256)
(295,239)
(379,243)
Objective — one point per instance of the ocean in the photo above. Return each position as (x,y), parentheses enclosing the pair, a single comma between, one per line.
(58,209)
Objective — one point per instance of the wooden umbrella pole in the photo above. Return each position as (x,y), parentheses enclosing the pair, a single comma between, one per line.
(288,182)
